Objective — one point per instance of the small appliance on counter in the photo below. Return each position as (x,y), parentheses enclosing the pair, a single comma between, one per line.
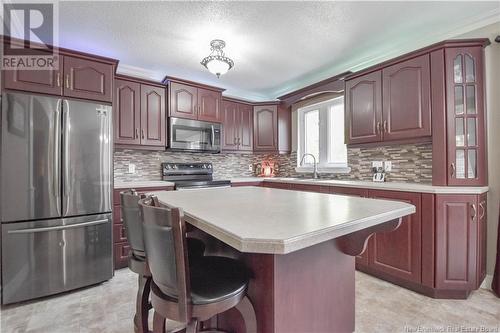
(378,174)
(188,176)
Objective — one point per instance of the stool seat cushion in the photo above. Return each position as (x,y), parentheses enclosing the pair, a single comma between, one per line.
(214,279)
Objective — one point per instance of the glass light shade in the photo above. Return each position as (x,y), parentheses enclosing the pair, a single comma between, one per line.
(218,67)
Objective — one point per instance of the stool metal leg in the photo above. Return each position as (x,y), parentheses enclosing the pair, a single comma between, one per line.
(159,323)
(245,307)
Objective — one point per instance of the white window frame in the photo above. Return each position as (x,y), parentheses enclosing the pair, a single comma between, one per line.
(324,130)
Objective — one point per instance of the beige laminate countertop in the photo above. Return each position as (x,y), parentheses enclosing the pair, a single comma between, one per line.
(274,221)
(392,186)
(142,184)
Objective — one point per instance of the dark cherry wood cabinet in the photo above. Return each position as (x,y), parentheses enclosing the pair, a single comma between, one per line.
(153,119)
(183,101)
(38,81)
(191,101)
(209,105)
(284,129)
(457,219)
(139,114)
(406,99)
(88,79)
(79,75)
(265,128)
(230,123)
(466,122)
(482,232)
(127,112)
(363,109)
(399,252)
(121,248)
(237,121)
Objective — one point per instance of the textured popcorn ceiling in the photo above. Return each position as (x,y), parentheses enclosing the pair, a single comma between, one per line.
(277,46)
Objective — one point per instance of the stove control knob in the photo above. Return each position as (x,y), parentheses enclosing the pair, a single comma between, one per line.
(176,167)
(209,166)
(203,166)
(167,167)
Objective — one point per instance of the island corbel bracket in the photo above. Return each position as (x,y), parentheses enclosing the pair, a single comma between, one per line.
(354,244)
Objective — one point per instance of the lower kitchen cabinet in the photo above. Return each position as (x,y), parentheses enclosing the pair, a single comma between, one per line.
(398,253)
(460,242)
(121,248)
(439,251)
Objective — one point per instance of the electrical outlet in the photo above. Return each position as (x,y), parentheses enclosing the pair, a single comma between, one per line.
(377,164)
(387,166)
(131,168)
(250,167)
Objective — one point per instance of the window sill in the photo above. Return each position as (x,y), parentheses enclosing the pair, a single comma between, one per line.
(323,170)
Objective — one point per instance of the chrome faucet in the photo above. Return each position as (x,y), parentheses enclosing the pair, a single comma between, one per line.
(315,172)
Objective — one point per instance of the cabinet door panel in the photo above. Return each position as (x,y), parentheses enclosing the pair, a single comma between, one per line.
(406,99)
(183,101)
(363,107)
(153,116)
(399,252)
(127,112)
(456,242)
(209,105)
(230,121)
(466,123)
(42,81)
(265,128)
(87,79)
(245,135)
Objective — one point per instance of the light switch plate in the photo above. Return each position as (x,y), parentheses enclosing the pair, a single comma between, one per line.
(131,168)
(377,164)
(387,166)
(250,167)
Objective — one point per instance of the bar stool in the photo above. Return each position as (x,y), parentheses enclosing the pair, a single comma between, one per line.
(187,292)
(137,257)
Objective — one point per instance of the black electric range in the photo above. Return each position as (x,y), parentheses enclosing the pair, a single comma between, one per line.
(191,176)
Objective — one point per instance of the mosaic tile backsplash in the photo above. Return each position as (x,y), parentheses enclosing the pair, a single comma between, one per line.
(410,163)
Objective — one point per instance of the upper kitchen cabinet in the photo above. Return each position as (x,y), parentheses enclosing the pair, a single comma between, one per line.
(183,101)
(38,81)
(139,114)
(363,108)
(406,99)
(209,105)
(237,121)
(78,75)
(88,79)
(265,128)
(466,121)
(190,100)
(389,104)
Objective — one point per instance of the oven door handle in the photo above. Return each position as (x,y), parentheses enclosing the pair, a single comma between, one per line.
(201,188)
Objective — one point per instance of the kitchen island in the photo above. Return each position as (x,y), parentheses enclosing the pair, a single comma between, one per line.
(299,245)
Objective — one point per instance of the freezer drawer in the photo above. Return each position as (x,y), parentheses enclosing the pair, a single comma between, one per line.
(47,257)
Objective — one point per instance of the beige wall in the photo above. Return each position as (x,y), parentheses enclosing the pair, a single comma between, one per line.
(492,63)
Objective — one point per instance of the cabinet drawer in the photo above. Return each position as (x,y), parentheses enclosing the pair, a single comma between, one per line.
(117,215)
(119,233)
(310,188)
(121,251)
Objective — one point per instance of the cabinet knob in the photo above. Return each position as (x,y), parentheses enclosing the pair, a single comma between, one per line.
(137,133)
(67,81)
(482,205)
(58,79)
(142,134)
(378,130)
(452,169)
(385,126)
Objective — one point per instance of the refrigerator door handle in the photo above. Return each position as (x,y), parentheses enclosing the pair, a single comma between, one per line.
(66,155)
(57,164)
(62,227)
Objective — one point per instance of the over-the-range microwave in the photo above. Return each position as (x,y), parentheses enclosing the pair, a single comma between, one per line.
(194,135)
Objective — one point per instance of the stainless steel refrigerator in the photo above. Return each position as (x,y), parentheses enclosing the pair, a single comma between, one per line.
(56,183)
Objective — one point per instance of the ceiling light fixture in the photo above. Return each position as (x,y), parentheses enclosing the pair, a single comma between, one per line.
(217,62)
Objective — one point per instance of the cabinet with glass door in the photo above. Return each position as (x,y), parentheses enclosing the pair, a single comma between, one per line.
(466,121)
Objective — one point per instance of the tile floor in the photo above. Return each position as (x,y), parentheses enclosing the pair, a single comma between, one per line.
(380,307)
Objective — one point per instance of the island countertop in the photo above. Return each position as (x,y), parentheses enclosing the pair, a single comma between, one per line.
(274,221)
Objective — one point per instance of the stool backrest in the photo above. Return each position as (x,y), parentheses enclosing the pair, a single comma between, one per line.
(166,251)
(132,220)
